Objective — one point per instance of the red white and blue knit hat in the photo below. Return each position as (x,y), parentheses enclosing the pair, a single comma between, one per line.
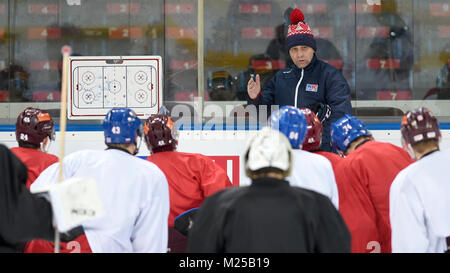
(299,32)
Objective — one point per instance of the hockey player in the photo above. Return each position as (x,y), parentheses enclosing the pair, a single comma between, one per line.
(133,191)
(419,197)
(191,177)
(368,171)
(34,133)
(269,215)
(24,216)
(312,172)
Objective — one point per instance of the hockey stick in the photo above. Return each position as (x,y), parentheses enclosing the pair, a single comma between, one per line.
(66,50)
(200,60)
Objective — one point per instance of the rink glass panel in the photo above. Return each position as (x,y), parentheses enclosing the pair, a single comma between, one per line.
(394,54)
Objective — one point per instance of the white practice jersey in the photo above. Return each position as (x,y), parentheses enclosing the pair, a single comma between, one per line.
(134,194)
(419,205)
(314,172)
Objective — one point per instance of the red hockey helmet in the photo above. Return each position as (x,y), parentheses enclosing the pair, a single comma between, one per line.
(160,133)
(419,125)
(34,125)
(313,137)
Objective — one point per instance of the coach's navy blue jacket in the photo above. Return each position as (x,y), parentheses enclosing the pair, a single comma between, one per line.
(318,82)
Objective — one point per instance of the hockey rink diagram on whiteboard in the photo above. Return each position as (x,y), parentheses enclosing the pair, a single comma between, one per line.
(97,85)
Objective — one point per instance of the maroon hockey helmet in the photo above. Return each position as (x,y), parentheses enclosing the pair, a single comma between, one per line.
(34,125)
(419,125)
(160,133)
(313,137)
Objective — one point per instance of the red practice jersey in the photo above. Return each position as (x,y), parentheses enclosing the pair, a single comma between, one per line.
(78,245)
(364,179)
(335,159)
(36,161)
(191,178)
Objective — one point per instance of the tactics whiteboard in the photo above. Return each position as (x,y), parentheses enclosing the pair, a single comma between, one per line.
(98,83)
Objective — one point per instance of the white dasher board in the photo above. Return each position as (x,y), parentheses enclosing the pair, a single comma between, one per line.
(99,83)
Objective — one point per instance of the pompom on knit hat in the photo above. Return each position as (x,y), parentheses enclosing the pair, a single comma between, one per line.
(299,32)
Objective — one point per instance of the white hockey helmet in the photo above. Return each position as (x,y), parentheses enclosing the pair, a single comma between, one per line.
(268,148)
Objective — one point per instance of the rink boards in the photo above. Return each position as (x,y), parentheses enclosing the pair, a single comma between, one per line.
(226,147)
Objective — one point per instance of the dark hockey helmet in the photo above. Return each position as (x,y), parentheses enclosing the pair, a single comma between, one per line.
(33,125)
(161,134)
(419,125)
(313,137)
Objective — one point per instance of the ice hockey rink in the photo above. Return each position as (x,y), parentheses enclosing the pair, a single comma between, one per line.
(225,147)
(195,58)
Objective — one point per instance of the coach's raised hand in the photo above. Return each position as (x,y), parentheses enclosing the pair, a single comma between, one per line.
(254,87)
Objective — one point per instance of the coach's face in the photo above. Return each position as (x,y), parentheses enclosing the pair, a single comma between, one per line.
(301,55)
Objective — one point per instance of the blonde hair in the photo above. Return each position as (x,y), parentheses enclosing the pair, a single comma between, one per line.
(423,146)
